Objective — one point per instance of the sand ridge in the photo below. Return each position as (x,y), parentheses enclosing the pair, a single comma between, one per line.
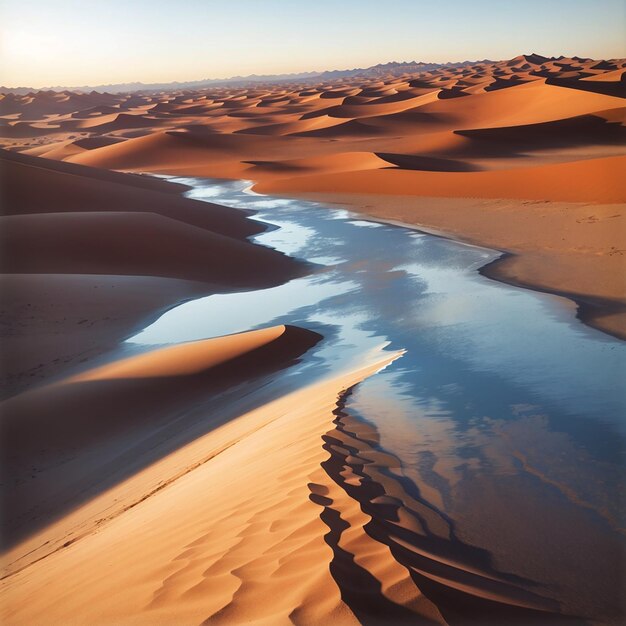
(441,114)
(58,438)
(244,543)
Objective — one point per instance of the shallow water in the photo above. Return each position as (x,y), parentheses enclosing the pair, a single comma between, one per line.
(505,411)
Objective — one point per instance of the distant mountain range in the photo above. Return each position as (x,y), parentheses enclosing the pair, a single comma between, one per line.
(245,81)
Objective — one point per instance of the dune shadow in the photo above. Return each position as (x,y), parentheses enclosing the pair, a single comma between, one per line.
(427,163)
(607,88)
(571,132)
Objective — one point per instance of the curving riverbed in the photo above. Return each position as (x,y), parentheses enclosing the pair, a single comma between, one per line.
(505,414)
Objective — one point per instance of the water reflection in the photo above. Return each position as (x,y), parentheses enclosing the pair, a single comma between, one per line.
(507,412)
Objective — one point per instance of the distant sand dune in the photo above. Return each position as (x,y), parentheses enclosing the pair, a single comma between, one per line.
(531,128)
(596,180)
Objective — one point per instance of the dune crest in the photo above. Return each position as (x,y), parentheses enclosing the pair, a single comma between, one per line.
(244,502)
(184,359)
(71,430)
(87,250)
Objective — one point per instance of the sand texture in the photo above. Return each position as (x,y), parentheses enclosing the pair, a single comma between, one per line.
(212,532)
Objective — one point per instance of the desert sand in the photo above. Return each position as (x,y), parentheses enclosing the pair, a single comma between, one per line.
(195,483)
(283,512)
(531,143)
(89,256)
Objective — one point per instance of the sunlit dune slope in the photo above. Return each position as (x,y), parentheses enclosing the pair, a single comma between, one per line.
(122,416)
(289,513)
(597,180)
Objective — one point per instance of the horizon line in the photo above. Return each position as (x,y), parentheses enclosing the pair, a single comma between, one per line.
(301,73)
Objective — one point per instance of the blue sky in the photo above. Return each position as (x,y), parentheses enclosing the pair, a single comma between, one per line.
(72,42)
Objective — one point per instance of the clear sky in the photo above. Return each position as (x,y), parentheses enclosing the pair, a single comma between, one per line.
(85,42)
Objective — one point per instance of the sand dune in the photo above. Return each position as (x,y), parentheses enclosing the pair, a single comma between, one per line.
(602,128)
(529,103)
(428,164)
(591,180)
(322,534)
(59,150)
(136,244)
(191,483)
(83,257)
(373,107)
(303,125)
(45,186)
(343,162)
(225,536)
(206,243)
(527,128)
(386,123)
(128,402)
(54,323)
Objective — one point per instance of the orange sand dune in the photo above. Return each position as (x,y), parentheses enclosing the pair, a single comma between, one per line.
(521,104)
(615,75)
(40,186)
(54,323)
(594,180)
(227,535)
(602,128)
(192,358)
(65,218)
(343,162)
(63,149)
(152,151)
(374,107)
(59,150)
(290,128)
(73,429)
(196,152)
(528,128)
(301,539)
(136,244)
